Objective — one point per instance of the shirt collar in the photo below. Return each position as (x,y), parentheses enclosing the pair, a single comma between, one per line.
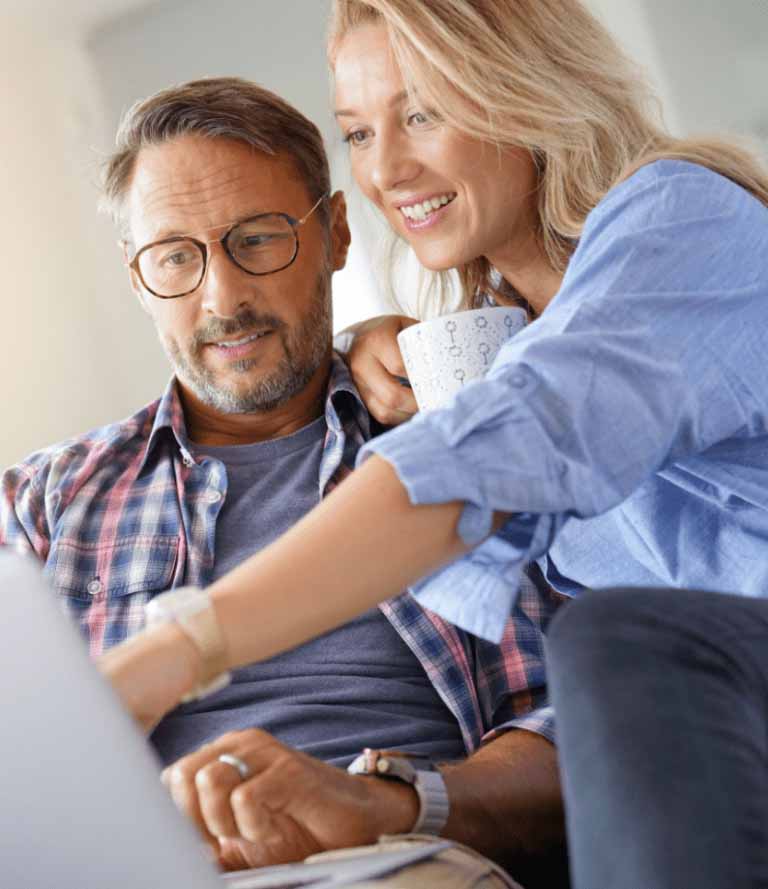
(342,405)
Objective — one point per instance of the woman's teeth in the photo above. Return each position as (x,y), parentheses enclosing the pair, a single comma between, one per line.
(423,209)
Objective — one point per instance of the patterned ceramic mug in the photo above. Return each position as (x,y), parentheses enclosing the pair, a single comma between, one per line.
(443,354)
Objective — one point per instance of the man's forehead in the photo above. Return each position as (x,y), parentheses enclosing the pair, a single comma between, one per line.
(195,182)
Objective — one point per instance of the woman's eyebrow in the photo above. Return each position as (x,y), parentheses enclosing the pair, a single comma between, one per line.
(395,100)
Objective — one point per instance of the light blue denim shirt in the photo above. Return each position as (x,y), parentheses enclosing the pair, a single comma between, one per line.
(625,430)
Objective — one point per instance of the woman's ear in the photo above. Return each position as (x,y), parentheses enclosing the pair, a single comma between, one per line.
(340,235)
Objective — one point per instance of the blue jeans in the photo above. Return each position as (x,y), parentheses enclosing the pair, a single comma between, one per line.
(661,699)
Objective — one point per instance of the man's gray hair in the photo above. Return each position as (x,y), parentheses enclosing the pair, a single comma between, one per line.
(221,107)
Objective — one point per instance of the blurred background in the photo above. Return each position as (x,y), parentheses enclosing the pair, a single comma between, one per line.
(77,350)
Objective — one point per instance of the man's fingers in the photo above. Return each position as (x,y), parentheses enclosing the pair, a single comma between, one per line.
(255,802)
(214,783)
(200,784)
(180,781)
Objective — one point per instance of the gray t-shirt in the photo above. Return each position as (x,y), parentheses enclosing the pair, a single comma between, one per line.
(357,686)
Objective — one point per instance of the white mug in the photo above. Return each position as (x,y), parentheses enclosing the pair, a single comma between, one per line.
(443,354)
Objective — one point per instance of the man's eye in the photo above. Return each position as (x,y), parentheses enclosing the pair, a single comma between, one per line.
(252,241)
(178,258)
(261,240)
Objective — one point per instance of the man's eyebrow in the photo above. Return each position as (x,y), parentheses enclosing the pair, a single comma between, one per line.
(175,232)
(395,100)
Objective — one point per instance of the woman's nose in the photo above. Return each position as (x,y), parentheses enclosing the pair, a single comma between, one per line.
(393,164)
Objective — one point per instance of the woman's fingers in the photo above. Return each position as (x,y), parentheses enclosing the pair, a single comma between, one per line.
(377,368)
(386,398)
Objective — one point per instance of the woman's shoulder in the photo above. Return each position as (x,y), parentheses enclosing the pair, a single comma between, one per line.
(678,200)
(675,190)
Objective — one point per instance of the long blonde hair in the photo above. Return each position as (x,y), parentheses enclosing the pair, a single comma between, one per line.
(546,76)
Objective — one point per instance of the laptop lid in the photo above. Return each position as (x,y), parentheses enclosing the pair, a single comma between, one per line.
(82,804)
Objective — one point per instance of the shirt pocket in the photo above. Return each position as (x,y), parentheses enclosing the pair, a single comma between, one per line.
(86,572)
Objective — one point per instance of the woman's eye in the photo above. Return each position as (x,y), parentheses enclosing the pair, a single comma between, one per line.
(418,117)
(356,137)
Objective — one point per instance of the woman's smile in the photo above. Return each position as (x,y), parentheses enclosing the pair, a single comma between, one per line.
(453,197)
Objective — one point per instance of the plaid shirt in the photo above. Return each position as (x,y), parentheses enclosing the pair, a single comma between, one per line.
(123,513)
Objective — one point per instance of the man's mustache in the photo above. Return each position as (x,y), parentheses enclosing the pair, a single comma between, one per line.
(245,322)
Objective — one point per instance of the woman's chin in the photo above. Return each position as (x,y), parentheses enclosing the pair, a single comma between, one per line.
(434,261)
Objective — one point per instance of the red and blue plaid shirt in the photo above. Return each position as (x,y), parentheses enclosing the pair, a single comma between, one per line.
(123,513)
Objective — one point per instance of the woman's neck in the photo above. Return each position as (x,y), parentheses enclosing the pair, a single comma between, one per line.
(529,273)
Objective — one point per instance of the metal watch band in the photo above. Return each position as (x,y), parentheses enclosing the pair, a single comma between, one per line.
(427,781)
(433,803)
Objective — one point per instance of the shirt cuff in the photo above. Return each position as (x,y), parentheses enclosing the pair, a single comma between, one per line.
(425,463)
(477,592)
(540,721)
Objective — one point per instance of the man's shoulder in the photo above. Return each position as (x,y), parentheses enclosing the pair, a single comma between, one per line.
(89,451)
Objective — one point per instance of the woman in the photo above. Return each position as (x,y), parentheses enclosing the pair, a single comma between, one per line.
(620,439)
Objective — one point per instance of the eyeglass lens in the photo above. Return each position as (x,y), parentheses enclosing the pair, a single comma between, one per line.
(262,245)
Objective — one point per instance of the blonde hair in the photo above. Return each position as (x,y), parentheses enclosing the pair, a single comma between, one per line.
(546,76)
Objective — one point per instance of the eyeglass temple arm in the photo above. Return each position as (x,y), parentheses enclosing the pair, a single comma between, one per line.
(317,203)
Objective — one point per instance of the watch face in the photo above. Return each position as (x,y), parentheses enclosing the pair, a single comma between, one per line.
(175,603)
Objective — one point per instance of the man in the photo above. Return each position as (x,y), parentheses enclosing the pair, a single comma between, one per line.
(231,235)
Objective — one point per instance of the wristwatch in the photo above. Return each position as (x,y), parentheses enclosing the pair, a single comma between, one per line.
(192,610)
(413,769)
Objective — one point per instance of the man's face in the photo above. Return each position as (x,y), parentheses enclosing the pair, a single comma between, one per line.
(239,343)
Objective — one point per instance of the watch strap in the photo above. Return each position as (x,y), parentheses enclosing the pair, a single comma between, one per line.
(192,610)
(420,773)
(203,629)
(433,803)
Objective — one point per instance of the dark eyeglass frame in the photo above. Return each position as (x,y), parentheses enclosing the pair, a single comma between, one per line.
(202,246)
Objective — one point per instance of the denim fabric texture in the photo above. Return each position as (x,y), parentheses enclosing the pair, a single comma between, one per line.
(662,706)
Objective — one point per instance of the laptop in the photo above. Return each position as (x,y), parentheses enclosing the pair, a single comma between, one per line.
(81,803)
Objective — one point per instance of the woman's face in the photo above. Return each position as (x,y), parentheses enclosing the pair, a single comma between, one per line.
(452,197)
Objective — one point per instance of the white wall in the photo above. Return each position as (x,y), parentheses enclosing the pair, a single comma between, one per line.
(57,363)
(714,58)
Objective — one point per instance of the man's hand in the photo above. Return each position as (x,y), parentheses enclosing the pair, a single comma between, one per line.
(292,805)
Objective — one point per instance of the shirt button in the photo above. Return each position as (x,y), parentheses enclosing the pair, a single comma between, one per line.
(213,496)
(518,381)
(95,587)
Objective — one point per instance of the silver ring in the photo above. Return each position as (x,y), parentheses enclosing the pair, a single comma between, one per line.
(241,767)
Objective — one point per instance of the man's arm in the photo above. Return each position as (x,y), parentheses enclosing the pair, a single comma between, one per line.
(505,800)
(23,525)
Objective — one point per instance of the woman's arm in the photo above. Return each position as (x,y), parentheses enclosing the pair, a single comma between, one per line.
(363,544)
(651,352)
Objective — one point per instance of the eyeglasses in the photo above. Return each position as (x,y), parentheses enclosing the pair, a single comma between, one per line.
(261,245)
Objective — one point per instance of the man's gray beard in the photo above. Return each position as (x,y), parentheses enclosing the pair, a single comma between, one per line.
(304,351)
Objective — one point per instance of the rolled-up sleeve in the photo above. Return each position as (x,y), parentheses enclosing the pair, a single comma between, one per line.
(638,361)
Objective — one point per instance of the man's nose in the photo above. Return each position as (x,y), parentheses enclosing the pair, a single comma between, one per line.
(393,163)
(225,288)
